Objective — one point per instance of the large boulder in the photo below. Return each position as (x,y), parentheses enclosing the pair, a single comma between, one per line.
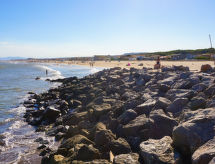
(173,94)
(103,138)
(206,68)
(197,102)
(199,87)
(168,81)
(162,103)
(146,107)
(100,110)
(210,91)
(157,151)
(196,129)
(162,126)
(134,127)
(120,146)
(131,158)
(212,161)
(75,118)
(51,113)
(77,139)
(127,116)
(177,105)
(205,153)
(87,153)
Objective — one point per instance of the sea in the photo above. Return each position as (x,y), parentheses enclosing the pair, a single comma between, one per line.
(17,79)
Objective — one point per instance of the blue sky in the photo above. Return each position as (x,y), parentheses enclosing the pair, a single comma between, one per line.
(63,28)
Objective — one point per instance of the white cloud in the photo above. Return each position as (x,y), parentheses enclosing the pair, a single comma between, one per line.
(4,43)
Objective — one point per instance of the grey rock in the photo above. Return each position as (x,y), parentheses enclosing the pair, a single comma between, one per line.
(180,93)
(162,126)
(205,153)
(131,158)
(157,151)
(177,105)
(134,127)
(197,128)
(162,103)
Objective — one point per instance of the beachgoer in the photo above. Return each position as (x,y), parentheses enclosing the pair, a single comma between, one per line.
(46,72)
(158,60)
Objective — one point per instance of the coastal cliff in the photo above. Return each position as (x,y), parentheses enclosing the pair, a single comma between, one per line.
(128,116)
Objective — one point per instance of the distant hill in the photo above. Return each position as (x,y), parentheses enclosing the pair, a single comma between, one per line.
(12,58)
(165,53)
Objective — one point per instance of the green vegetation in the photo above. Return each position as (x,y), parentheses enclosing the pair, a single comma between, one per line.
(194,52)
(202,57)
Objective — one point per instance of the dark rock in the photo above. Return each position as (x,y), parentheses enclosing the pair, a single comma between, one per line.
(146,107)
(75,118)
(181,68)
(103,138)
(210,91)
(2,142)
(197,102)
(40,139)
(120,146)
(77,139)
(87,153)
(199,87)
(100,110)
(180,93)
(41,147)
(59,135)
(164,87)
(51,113)
(127,116)
(45,151)
(134,127)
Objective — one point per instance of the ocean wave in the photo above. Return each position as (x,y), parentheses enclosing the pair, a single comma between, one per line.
(52,73)
(7,121)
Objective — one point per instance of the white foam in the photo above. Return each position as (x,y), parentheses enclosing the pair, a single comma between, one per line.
(94,70)
(52,74)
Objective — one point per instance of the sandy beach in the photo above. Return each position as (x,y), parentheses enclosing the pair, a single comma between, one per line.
(193,65)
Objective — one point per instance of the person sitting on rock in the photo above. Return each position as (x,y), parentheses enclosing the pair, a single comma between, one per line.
(157,65)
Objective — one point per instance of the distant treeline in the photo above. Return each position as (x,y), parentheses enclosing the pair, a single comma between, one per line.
(194,52)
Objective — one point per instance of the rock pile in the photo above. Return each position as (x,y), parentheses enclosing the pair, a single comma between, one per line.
(129,116)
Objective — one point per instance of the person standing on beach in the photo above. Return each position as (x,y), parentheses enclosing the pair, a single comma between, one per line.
(158,60)
(46,72)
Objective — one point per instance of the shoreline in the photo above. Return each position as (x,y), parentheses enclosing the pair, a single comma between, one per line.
(114,114)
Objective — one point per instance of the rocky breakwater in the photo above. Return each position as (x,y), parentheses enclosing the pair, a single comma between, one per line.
(129,116)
